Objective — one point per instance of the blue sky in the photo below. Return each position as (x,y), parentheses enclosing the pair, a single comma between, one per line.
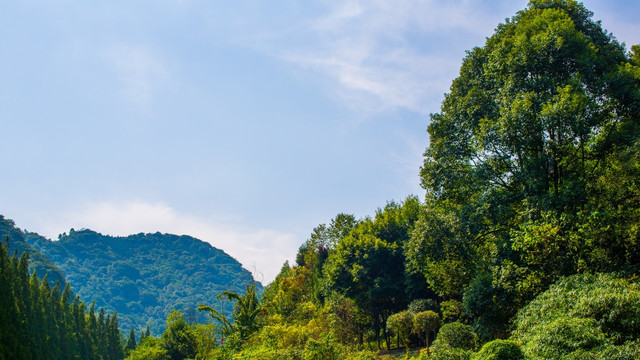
(243,123)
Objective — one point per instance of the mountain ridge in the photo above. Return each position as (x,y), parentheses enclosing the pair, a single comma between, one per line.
(143,276)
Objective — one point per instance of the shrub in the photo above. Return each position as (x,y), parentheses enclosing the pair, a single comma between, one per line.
(446,353)
(499,350)
(149,349)
(589,316)
(451,310)
(424,323)
(362,355)
(401,324)
(323,349)
(563,337)
(264,353)
(420,305)
(284,336)
(456,335)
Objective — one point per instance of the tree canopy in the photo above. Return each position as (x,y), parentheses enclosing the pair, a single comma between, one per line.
(519,169)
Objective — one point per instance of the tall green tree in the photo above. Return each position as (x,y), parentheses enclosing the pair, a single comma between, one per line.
(131,342)
(178,339)
(39,322)
(369,271)
(245,313)
(519,156)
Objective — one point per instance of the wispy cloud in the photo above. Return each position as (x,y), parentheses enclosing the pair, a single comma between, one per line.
(381,55)
(139,71)
(260,251)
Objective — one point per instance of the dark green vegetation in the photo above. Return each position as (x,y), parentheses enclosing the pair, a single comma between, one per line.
(38,262)
(527,244)
(41,322)
(144,276)
(532,178)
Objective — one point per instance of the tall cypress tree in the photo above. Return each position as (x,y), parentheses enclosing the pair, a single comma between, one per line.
(131,342)
(21,291)
(37,325)
(8,313)
(38,322)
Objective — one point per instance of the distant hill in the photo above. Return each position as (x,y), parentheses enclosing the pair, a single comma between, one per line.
(37,261)
(144,276)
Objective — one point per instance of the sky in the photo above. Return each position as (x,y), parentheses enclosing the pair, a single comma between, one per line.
(243,123)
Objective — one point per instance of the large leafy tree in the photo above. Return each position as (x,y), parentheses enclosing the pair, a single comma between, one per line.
(520,158)
(369,271)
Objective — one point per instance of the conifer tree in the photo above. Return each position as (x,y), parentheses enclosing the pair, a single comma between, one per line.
(131,342)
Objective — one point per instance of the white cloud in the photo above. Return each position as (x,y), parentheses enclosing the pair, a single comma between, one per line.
(261,251)
(380,55)
(139,71)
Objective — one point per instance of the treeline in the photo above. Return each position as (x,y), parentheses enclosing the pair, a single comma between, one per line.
(531,178)
(41,322)
(526,245)
(142,276)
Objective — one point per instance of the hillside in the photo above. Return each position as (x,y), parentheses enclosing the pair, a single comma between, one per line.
(38,262)
(143,276)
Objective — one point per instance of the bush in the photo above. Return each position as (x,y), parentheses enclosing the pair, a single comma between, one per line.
(456,335)
(362,355)
(499,350)
(588,315)
(323,349)
(446,353)
(451,310)
(401,324)
(284,336)
(149,349)
(424,323)
(564,337)
(264,353)
(420,305)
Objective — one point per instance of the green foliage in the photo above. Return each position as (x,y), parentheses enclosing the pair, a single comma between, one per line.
(586,313)
(401,324)
(456,335)
(149,349)
(500,350)
(426,322)
(446,353)
(452,310)
(531,176)
(40,322)
(131,342)
(519,168)
(264,353)
(420,305)
(144,276)
(178,339)
(38,262)
(564,337)
(206,340)
(245,314)
(346,320)
(283,336)
(322,349)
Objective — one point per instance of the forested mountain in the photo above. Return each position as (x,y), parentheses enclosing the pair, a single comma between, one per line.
(38,262)
(526,244)
(144,276)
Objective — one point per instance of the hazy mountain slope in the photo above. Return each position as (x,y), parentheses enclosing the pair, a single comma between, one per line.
(37,261)
(144,276)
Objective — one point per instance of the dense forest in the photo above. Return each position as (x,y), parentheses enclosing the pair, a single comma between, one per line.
(526,244)
(143,276)
(38,262)
(42,322)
